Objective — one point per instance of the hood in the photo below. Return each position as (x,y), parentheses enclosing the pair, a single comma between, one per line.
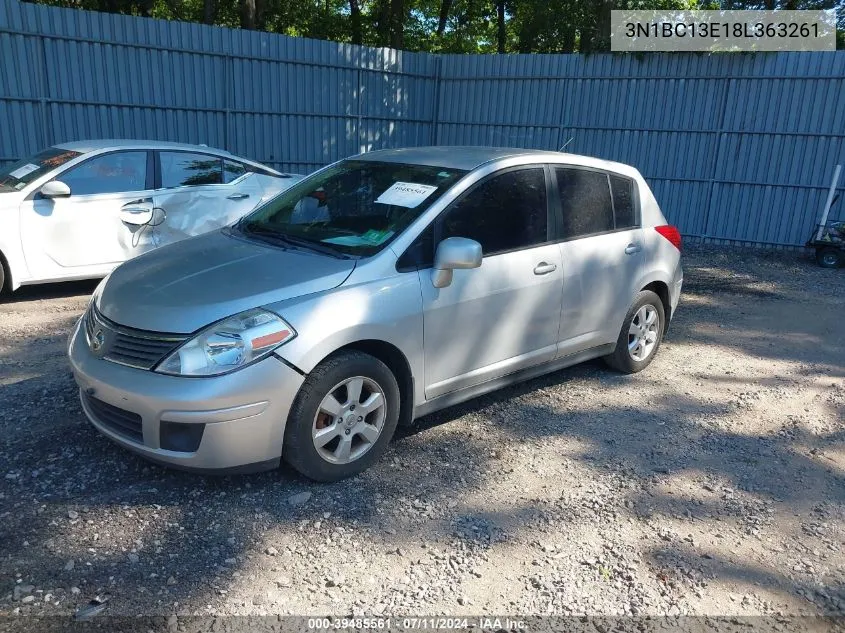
(185,286)
(9,197)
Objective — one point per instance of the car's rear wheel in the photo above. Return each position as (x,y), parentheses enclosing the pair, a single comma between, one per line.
(829,257)
(640,336)
(343,417)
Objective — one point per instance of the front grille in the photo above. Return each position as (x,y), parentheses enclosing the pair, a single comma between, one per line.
(127,346)
(114,418)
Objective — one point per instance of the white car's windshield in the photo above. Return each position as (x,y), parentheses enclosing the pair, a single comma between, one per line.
(20,174)
(354,208)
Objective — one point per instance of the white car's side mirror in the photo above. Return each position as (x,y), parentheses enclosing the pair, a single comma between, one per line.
(55,189)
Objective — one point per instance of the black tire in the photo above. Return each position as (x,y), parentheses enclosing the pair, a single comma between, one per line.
(299,450)
(621,359)
(3,276)
(829,257)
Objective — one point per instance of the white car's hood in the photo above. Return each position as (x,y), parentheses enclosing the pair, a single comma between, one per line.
(10,198)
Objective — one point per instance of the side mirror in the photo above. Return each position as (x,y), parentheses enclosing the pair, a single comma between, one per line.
(55,189)
(452,253)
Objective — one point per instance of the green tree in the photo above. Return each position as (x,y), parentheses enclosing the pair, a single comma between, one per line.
(449,26)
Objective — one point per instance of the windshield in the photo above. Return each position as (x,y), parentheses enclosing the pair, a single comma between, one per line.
(23,172)
(355,207)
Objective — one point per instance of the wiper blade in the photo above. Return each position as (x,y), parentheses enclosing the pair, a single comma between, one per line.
(283,238)
(314,246)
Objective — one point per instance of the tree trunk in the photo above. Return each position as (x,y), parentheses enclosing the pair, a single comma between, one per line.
(603,26)
(501,32)
(445,7)
(525,43)
(355,13)
(587,39)
(397,24)
(383,23)
(209,11)
(247,11)
(567,45)
(109,6)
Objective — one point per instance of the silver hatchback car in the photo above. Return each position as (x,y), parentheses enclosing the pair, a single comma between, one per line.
(377,290)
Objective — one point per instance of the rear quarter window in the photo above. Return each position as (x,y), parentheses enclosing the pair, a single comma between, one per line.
(624,202)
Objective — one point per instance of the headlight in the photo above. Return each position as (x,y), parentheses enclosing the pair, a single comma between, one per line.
(228,345)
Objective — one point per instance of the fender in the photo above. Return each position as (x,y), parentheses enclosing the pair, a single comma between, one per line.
(11,246)
(385,308)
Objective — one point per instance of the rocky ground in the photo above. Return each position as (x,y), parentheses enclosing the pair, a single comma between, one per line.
(710,484)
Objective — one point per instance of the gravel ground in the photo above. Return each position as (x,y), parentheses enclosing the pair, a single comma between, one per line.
(710,484)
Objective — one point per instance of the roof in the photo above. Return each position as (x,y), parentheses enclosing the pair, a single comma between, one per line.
(470,157)
(455,157)
(104,144)
(95,145)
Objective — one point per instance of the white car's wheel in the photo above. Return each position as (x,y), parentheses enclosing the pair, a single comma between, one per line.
(3,275)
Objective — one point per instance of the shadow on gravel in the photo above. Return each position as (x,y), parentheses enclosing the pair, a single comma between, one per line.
(50,291)
(153,537)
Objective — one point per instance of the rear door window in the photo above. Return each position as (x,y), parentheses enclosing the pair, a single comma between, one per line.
(232,170)
(585,201)
(185,169)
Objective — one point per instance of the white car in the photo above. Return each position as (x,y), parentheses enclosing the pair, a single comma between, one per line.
(77,210)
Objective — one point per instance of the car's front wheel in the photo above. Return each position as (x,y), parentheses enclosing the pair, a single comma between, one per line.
(343,417)
(641,334)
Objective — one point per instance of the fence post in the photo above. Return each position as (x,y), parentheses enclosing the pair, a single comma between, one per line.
(716,154)
(228,87)
(358,113)
(44,96)
(435,116)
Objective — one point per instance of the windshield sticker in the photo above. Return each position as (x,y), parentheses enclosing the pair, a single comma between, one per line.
(22,172)
(372,237)
(406,194)
(376,237)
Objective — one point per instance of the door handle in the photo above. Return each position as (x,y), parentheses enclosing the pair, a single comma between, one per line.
(137,212)
(238,196)
(632,248)
(544,269)
(138,206)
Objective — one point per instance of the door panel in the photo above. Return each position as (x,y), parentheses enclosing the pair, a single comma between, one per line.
(504,316)
(602,256)
(83,233)
(199,196)
(599,280)
(492,320)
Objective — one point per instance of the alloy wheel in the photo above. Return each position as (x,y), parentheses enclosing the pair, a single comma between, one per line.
(349,420)
(643,332)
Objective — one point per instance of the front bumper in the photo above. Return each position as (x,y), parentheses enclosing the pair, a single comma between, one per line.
(243,413)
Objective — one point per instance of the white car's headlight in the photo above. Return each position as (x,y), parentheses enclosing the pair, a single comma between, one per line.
(228,345)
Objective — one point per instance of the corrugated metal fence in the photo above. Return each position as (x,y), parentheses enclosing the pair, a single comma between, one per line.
(738,148)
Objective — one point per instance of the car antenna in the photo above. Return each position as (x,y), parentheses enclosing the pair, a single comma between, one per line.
(563,147)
